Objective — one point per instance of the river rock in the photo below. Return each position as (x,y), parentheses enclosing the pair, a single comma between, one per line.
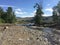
(22,35)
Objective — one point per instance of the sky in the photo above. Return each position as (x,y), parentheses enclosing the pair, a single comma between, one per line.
(25,8)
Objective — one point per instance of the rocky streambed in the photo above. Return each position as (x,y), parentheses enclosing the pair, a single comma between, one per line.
(25,35)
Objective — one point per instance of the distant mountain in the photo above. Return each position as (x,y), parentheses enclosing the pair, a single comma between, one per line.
(45,19)
(26,19)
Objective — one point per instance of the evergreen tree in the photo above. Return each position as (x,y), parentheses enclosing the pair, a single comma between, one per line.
(1,13)
(10,17)
(55,16)
(56,13)
(38,16)
(4,16)
(13,18)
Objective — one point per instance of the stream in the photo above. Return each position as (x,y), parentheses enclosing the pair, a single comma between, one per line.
(47,30)
(51,36)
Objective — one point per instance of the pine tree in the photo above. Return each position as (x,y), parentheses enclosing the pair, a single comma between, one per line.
(56,13)
(38,16)
(10,15)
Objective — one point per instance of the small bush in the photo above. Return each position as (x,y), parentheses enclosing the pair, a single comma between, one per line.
(1,20)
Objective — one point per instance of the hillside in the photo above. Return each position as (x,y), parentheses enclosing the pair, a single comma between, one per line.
(26,18)
(31,19)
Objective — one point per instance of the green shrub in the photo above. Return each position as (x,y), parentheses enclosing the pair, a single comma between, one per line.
(1,20)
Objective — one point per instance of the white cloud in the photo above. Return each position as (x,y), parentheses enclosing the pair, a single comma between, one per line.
(49,9)
(6,6)
(47,14)
(29,14)
(33,13)
(48,4)
(18,9)
(19,12)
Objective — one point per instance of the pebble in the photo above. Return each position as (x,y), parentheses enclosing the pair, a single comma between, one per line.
(59,40)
